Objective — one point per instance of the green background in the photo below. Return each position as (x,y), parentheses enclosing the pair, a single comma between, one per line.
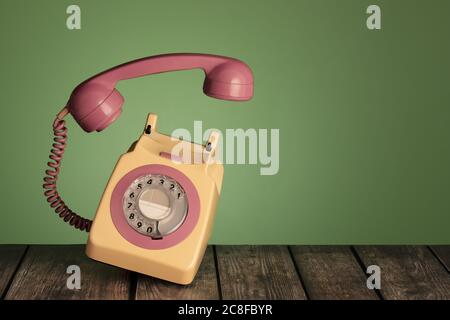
(363,115)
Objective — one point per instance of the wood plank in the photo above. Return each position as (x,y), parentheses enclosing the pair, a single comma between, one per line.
(407,272)
(443,254)
(10,256)
(203,287)
(331,272)
(258,272)
(42,275)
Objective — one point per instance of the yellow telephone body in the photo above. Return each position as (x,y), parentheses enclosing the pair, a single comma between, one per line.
(180,262)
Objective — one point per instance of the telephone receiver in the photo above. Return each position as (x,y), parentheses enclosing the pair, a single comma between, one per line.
(96,102)
(156,214)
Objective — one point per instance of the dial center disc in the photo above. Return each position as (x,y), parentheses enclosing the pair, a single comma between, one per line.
(154,204)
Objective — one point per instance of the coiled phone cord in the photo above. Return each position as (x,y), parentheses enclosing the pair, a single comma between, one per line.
(51,193)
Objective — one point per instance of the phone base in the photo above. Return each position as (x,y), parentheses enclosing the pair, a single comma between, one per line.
(178,255)
(162,266)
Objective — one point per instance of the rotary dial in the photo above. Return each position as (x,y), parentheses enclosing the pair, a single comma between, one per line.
(155,205)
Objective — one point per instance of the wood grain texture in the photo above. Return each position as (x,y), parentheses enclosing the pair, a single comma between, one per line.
(331,272)
(244,272)
(258,272)
(42,275)
(443,254)
(10,256)
(407,272)
(204,286)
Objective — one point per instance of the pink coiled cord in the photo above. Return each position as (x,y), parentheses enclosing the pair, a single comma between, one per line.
(52,195)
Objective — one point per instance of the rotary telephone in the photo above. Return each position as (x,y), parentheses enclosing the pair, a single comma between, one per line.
(157,210)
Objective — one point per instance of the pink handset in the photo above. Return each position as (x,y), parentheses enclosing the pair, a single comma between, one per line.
(96,103)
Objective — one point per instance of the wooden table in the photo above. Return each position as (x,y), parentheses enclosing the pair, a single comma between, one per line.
(236,272)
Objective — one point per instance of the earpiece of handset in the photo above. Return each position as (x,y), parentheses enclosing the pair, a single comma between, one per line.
(96,103)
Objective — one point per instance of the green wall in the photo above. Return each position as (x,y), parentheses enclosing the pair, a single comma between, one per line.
(363,115)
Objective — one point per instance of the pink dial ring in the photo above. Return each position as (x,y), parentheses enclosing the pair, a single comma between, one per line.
(144,241)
